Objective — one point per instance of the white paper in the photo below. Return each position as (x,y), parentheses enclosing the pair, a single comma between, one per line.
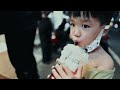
(71,55)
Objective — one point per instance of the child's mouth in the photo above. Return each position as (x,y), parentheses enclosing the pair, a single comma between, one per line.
(76,43)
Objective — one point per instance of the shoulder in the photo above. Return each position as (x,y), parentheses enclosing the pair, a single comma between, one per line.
(106,61)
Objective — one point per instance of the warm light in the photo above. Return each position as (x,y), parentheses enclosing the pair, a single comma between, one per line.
(111,23)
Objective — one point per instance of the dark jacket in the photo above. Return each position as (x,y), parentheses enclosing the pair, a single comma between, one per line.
(11,21)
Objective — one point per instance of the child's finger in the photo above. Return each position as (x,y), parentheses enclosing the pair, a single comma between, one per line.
(59,61)
(66,69)
(52,77)
(48,76)
(79,71)
(56,75)
(61,72)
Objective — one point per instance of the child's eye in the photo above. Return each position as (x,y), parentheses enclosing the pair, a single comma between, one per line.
(85,26)
(72,24)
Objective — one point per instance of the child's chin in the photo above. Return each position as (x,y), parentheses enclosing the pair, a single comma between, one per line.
(78,44)
(82,46)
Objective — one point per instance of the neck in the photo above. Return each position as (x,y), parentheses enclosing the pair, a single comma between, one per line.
(98,48)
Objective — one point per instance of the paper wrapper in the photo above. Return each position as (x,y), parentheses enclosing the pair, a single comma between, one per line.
(71,55)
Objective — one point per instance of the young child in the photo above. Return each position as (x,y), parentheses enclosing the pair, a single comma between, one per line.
(87,29)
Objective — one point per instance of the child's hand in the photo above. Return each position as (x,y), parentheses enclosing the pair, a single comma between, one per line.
(63,72)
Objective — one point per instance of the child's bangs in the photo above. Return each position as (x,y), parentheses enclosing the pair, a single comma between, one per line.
(84,14)
(103,16)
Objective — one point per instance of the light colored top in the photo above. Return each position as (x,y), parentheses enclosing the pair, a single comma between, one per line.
(6,68)
(7,71)
(94,73)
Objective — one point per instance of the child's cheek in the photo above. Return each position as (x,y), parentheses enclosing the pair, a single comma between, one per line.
(71,35)
(82,42)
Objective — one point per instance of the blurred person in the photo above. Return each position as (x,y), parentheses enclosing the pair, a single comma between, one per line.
(87,29)
(60,31)
(61,35)
(20,29)
(45,30)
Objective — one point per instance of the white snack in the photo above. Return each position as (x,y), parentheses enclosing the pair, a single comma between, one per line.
(71,55)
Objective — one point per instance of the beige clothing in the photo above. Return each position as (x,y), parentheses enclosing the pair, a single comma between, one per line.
(6,68)
(7,71)
(94,73)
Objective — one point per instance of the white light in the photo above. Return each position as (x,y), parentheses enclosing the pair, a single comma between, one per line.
(116,25)
(112,19)
(53,35)
(119,19)
(107,27)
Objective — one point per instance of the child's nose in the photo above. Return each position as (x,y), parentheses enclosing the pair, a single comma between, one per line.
(77,33)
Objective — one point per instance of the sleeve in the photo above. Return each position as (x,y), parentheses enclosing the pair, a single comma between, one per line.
(97,74)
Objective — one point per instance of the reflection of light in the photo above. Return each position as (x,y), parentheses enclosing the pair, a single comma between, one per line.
(112,19)
(111,23)
(107,27)
(53,37)
(116,25)
(119,19)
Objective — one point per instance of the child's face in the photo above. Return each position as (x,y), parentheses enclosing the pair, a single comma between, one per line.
(84,30)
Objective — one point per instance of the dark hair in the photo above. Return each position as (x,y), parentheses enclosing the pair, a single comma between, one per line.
(103,16)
